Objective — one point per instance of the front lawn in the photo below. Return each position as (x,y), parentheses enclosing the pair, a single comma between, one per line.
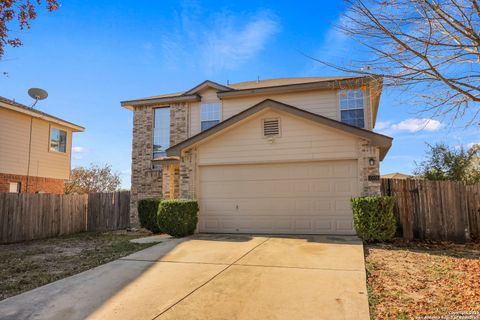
(412,280)
(27,265)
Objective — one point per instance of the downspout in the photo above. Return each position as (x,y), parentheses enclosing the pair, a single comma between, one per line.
(29,154)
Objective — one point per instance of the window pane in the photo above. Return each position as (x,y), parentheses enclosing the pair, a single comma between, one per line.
(351,99)
(209,113)
(161,131)
(208,124)
(353,117)
(62,147)
(58,140)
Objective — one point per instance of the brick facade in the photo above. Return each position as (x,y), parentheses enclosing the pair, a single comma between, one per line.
(35,184)
(151,179)
(365,169)
(146,180)
(170,180)
(187,174)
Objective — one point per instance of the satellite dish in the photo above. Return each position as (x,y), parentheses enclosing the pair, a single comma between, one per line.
(37,93)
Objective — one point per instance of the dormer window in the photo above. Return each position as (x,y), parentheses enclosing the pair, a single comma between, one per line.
(210,115)
(352,107)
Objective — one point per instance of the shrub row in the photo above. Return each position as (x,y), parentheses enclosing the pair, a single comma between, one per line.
(373,218)
(177,217)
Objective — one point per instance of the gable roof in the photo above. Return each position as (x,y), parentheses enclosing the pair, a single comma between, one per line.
(255,87)
(206,84)
(382,141)
(21,108)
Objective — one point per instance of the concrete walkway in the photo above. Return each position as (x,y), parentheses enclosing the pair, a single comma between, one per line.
(212,277)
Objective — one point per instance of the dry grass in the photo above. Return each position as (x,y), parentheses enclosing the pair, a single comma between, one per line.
(412,280)
(25,266)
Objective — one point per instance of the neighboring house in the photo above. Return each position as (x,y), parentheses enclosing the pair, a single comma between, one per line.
(397,175)
(270,156)
(35,149)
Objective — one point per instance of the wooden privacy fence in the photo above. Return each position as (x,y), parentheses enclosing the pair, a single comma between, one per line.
(435,210)
(26,216)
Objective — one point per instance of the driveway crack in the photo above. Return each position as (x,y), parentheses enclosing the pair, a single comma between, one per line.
(209,280)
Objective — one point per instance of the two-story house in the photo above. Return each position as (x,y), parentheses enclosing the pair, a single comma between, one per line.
(35,149)
(271,156)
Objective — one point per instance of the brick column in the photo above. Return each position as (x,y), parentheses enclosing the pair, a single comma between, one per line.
(367,152)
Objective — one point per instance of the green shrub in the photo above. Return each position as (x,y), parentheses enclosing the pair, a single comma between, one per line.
(373,218)
(147,214)
(178,217)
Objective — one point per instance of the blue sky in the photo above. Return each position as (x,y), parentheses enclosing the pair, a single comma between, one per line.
(90,55)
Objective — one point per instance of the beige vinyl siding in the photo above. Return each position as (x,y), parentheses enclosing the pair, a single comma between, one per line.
(194,118)
(300,140)
(323,102)
(14,137)
(208,95)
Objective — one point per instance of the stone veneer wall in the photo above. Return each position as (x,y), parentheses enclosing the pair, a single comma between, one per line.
(170,180)
(178,123)
(147,181)
(366,152)
(187,174)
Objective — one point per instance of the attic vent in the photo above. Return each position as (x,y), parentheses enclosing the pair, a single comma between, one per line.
(271,127)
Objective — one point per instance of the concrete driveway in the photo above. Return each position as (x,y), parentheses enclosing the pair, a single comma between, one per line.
(212,277)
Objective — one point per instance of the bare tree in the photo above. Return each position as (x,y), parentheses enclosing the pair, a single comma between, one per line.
(22,10)
(92,179)
(426,45)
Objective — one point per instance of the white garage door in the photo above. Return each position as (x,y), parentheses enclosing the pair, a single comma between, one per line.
(284,198)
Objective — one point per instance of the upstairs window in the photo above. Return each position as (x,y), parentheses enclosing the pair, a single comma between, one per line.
(58,140)
(210,115)
(352,107)
(161,131)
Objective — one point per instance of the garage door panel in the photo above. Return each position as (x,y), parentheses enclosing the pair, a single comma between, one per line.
(297,198)
(279,189)
(301,170)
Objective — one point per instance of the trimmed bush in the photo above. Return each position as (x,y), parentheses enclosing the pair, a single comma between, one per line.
(373,218)
(147,214)
(178,217)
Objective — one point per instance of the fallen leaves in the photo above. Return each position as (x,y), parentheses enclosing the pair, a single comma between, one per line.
(409,280)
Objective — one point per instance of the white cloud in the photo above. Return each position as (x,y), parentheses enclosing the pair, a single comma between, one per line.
(79,150)
(415,124)
(472,143)
(231,46)
(217,41)
(379,125)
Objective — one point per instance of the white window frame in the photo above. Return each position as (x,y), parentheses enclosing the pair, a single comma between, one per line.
(17,186)
(50,149)
(211,113)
